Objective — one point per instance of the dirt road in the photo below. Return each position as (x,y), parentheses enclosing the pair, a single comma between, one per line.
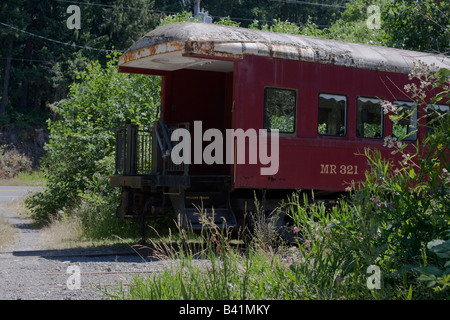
(28,271)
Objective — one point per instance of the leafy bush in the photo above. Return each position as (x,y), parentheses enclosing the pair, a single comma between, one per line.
(398,219)
(98,202)
(82,135)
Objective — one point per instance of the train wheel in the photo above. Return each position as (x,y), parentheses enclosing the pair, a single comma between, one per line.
(284,226)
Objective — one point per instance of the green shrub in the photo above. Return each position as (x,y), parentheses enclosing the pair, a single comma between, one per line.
(82,134)
(397,219)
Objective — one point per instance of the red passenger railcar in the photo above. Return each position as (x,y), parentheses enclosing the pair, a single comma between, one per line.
(322,96)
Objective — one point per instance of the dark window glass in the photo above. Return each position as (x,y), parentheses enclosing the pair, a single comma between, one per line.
(279,109)
(435,115)
(406,127)
(369,118)
(332,115)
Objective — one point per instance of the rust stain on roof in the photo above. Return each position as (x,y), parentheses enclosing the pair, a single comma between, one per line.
(149,51)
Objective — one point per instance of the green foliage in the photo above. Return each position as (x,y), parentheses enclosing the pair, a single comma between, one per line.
(212,269)
(436,275)
(335,249)
(98,203)
(406,24)
(398,219)
(179,17)
(353,26)
(13,118)
(307,29)
(42,69)
(82,138)
(417,25)
(228,22)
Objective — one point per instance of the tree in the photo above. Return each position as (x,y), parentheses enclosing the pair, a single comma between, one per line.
(10,12)
(246,11)
(406,24)
(353,25)
(418,25)
(42,56)
(81,147)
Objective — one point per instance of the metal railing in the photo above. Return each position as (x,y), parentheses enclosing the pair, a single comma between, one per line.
(170,166)
(137,149)
(120,151)
(144,151)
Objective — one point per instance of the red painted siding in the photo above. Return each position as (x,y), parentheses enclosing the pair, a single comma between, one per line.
(308,160)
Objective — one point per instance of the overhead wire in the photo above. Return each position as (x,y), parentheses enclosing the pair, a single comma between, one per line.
(162,11)
(26,59)
(113,6)
(57,41)
(312,3)
(172,12)
(153,10)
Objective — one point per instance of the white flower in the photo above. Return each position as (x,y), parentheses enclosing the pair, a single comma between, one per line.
(388,107)
(406,157)
(390,141)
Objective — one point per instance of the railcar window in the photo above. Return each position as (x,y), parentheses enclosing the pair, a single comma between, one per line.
(369,118)
(279,109)
(436,114)
(332,115)
(406,126)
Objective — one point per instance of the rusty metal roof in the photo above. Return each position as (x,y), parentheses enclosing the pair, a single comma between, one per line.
(215,47)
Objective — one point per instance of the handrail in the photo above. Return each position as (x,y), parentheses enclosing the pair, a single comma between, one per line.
(136,154)
(159,142)
(162,125)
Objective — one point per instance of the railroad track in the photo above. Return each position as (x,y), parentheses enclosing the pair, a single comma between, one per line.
(144,252)
(52,274)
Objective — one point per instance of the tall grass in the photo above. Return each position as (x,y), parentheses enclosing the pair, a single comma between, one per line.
(216,269)
(331,260)
(213,268)
(30,179)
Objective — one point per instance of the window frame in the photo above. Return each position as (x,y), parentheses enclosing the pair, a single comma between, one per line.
(436,107)
(408,104)
(284,133)
(345,115)
(382,127)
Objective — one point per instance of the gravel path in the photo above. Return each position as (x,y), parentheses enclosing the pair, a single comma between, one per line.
(29,272)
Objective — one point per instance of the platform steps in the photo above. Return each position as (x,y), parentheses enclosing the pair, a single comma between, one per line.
(198,208)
